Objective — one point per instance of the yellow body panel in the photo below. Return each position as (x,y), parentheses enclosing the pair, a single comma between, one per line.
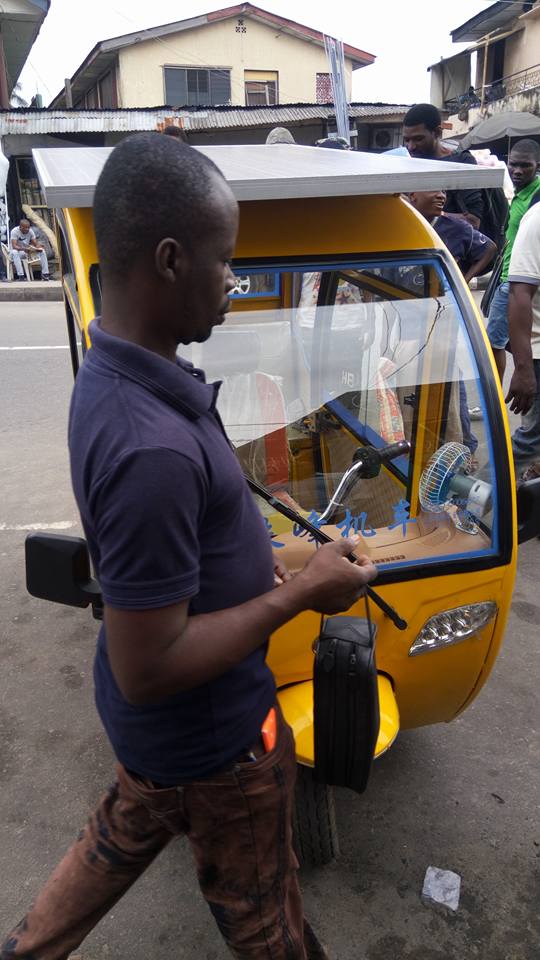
(283,228)
(82,245)
(429,688)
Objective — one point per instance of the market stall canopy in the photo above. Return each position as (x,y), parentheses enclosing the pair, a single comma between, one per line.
(509,123)
(68,176)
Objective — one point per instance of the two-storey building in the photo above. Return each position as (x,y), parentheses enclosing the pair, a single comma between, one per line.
(237,56)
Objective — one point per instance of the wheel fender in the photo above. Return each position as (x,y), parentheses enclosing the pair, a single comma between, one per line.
(296,702)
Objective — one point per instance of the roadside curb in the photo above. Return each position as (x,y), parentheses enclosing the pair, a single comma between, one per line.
(33,291)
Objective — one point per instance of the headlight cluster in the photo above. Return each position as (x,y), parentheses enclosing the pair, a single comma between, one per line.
(452,626)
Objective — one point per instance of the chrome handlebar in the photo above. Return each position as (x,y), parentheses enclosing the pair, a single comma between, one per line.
(367,462)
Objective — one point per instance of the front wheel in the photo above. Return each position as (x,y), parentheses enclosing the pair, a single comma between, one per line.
(314,820)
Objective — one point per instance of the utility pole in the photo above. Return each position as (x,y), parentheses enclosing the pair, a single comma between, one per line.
(484,70)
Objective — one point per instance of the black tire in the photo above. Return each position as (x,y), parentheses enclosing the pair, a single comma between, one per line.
(314,820)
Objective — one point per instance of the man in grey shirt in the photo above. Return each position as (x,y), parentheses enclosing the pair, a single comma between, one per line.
(24,243)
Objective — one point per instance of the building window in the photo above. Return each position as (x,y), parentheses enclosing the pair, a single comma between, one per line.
(185,87)
(261,87)
(323,89)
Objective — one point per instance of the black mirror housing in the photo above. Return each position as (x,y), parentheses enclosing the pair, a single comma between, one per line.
(528,509)
(58,569)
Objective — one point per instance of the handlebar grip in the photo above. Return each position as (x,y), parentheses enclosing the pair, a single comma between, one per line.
(394,450)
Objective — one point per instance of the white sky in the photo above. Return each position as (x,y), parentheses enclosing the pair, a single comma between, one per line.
(405,35)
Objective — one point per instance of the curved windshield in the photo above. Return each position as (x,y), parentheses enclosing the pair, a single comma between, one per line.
(351,393)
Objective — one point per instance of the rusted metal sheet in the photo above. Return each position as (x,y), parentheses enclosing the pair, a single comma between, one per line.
(33,122)
(80,121)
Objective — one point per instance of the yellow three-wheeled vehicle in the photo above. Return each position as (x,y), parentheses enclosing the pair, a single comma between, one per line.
(350,360)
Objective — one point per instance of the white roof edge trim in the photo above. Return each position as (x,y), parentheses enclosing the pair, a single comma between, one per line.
(68,175)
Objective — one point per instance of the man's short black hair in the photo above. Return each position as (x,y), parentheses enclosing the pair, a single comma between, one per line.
(151,187)
(332,143)
(529,148)
(425,114)
(173,131)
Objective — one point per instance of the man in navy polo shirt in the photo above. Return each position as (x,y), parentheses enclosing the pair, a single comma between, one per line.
(472,250)
(186,569)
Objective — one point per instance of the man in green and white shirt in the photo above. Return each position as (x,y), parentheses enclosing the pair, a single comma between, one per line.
(524,325)
(523,166)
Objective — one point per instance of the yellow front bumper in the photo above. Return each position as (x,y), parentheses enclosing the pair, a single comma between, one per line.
(297,705)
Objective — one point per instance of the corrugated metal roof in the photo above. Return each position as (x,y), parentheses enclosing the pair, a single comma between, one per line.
(234,118)
(492,18)
(23,121)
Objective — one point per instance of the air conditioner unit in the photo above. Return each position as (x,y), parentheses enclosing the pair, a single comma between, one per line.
(385,138)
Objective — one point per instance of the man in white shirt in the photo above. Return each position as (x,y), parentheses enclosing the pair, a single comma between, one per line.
(24,243)
(524,322)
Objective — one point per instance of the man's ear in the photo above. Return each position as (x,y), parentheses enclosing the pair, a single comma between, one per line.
(168,259)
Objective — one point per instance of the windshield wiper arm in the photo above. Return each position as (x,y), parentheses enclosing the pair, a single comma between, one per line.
(322,537)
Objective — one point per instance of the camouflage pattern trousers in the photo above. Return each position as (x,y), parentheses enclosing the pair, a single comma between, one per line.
(238,824)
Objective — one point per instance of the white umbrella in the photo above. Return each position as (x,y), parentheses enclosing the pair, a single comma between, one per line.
(499,125)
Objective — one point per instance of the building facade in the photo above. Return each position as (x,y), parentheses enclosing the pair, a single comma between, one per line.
(500,71)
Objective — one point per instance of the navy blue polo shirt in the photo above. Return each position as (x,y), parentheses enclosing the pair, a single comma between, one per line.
(168,517)
(464,242)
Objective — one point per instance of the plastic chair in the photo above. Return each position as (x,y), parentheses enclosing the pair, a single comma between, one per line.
(28,264)
(8,263)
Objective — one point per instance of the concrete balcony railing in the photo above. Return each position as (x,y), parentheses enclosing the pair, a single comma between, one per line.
(522,81)
(518,92)
(509,86)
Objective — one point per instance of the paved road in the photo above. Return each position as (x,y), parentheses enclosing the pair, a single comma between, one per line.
(462,797)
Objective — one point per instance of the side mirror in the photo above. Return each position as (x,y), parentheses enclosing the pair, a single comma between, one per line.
(528,509)
(58,569)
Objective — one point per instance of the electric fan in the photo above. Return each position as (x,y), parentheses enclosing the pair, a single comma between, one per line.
(445,483)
